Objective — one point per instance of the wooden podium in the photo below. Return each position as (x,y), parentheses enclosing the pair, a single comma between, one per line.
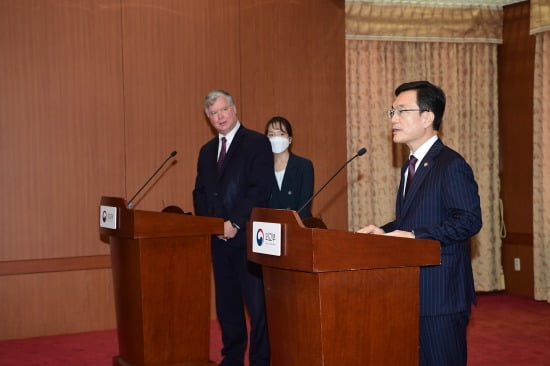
(161,278)
(341,298)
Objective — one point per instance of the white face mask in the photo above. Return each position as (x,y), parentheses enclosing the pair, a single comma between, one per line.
(279,144)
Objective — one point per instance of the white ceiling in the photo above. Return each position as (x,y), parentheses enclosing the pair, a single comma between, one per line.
(444,2)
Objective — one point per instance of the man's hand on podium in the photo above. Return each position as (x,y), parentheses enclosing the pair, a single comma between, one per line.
(371,229)
(402,234)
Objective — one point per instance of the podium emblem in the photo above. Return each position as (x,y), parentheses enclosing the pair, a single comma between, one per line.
(267,238)
(260,237)
(108,217)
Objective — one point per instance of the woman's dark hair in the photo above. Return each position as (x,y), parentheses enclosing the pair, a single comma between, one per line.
(280,122)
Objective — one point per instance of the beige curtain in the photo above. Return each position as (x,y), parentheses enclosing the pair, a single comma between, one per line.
(467,72)
(540,21)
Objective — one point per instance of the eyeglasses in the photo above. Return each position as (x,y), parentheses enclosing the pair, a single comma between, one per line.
(392,112)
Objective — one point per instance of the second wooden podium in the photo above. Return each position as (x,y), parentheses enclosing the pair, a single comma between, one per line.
(340,298)
(161,278)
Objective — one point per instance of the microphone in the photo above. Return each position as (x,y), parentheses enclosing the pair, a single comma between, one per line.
(131,201)
(359,153)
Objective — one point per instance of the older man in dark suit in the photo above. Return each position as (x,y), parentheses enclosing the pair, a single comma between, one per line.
(437,199)
(235,174)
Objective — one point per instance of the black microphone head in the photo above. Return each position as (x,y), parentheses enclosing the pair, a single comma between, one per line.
(361,152)
(174,153)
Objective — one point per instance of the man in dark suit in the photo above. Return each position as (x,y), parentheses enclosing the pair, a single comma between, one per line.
(437,199)
(235,174)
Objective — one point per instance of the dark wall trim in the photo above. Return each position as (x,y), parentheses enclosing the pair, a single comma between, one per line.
(29,266)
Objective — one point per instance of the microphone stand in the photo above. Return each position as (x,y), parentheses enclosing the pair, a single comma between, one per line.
(359,153)
(130,202)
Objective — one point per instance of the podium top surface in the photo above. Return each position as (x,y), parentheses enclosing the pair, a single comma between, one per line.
(324,250)
(149,224)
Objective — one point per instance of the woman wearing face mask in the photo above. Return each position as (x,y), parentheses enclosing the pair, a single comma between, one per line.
(294,176)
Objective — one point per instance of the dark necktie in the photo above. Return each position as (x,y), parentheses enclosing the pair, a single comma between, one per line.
(410,176)
(223,151)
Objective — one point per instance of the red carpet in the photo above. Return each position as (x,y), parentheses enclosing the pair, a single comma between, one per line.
(509,330)
(504,331)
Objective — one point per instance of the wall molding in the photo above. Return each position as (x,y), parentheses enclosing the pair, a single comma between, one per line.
(46,265)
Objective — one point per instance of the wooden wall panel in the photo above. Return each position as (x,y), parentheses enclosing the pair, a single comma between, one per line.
(175,52)
(518,281)
(61,148)
(61,119)
(293,64)
(56,303)
(516,70)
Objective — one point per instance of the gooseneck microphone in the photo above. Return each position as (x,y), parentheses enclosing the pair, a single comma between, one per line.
(131,201)
(359,153)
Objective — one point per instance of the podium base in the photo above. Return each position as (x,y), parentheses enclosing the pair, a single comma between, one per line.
(119,361)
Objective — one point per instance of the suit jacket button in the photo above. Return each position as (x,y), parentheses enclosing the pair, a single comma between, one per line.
(215,194)
(289,193)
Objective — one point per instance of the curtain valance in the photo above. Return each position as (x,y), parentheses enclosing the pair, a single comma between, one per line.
(400,22)
(540,16)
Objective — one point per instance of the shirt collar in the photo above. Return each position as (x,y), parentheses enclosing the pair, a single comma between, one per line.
(421,152)
(230,135)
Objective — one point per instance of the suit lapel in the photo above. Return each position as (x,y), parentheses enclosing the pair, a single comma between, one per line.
(290,172)
(425,166)
(211,155)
